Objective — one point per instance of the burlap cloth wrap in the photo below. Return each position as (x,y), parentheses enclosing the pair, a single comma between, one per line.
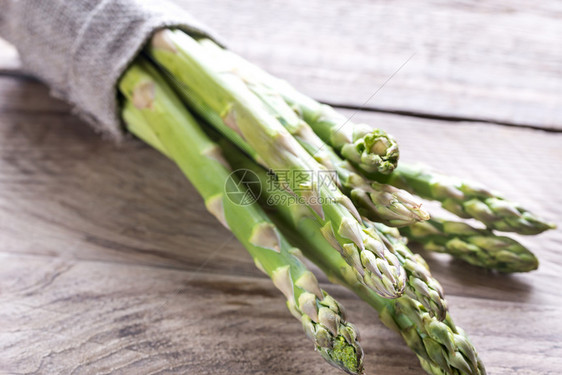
(80,48)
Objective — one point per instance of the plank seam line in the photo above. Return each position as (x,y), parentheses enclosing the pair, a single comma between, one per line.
(444,118)
(8,73)
(42,112)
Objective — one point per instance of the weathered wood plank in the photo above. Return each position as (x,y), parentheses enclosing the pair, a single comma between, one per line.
(28,95)
(79,191)
(490,61)
(65,316)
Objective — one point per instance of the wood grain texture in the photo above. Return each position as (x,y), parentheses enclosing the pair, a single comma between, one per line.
(84,317)
(495,60)
(109,262)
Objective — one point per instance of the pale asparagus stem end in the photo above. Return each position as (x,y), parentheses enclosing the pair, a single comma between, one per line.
(161,40)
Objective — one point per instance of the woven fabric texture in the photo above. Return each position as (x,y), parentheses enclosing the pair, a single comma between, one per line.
(80,48)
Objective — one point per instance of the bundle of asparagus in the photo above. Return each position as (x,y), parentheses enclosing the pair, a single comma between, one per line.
(336,193)
(227,96)
(153,113)
(343,223)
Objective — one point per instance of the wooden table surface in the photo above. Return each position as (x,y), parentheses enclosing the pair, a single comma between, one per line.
(109,262)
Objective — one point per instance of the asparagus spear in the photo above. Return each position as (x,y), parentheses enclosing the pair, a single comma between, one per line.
(478,247)
(467,200)
(226,95)
(153,113)
(372,149)
(441,346)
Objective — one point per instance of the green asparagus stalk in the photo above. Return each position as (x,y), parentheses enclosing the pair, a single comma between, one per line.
(219,93)
(153,113)
(441,346)
(479,247)
(372,149)
(467,200)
